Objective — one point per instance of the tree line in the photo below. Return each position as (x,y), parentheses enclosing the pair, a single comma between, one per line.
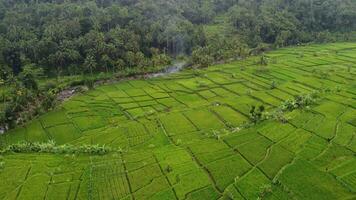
(72,37)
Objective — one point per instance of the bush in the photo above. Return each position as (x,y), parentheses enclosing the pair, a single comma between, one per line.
(300,101)
(201,57)
(89,82)
(256,115)
(50,86)
(51,147)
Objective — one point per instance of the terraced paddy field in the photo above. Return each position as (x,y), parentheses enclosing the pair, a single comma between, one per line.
(189,136)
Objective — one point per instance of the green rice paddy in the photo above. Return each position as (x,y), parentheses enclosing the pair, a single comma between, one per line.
(184,136)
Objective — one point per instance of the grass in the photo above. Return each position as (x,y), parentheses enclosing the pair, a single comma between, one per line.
(188,135)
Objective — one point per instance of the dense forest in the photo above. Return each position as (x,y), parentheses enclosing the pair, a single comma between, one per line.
(69,37)
(58,38)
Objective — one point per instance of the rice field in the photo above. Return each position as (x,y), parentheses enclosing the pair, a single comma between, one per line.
(185,136)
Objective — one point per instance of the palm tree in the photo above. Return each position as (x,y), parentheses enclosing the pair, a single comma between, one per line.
(90,64)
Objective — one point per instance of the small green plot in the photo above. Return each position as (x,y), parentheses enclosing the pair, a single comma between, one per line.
(11,177)
(136,112)
(222,92)
(207,94)
(14,136)
(108,180)
(219,78)
(116,94)
(142,98)
(139,141)
(225,172)
(129,105)
(187,138)
(157,186)
(141,177)
(135,92)
(73,104)
(176,123)
(267,99)
(173,86)
(242,137)
(107,88)
(208,192)
(63,133)
(276,131)
(54,118)
(252,183)
(352,144)
(159,95)
(313,148)
(204,119)
(344,168)
(122,100)
(58,190)
(94,93)
(231,192)
(164,194)
(89,122)
(330,109)
(243,103)
(238,88)
(37,183)
(307,182)
(280,94)
(260,146)
(299,118)
(147,103)
(135,129)
(196,83)
(169,102)
(209,150)
(140,83)
(333,156)
(36,133)
(138,160)
(275,160)
(349,117)
(124,85)
(191,100)
(230,116)
(350,181)
(159,107)
(326,128)
(295,140)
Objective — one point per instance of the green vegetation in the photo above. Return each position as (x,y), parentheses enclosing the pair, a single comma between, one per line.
(58,44)
(194,134)
(51,147)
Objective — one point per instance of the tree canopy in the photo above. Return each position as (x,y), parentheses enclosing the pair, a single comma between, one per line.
(62,37)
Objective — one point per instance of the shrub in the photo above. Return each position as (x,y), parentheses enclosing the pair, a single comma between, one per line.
(89,82)
(51,147)
(300,101)
(263,60)
(256,115)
